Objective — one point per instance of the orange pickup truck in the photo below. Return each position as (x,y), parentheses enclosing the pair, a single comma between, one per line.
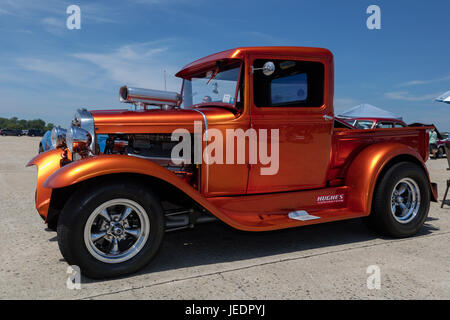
(251,140)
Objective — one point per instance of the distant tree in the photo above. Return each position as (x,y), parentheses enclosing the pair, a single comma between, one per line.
(22,124)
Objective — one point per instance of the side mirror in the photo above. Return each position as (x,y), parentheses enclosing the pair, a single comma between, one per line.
(267,69)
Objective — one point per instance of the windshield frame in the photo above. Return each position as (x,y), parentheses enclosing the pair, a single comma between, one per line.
(235,64)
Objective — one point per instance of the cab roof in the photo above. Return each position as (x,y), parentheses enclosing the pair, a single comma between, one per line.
(239,53)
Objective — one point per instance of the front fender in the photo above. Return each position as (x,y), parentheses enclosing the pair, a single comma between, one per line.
(101,165)
(47,163)
(365,169)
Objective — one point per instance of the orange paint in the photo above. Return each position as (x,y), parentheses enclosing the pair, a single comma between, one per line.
(316,161)
(47,163)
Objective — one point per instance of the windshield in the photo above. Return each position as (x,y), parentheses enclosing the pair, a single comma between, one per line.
(215,85)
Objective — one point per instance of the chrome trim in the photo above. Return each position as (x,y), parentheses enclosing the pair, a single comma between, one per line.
(165,99)
(405,200)
(114,227)
(80,136)
(58,137)
(84,119)
(206,136)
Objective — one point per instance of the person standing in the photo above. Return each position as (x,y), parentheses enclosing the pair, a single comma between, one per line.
(433,141)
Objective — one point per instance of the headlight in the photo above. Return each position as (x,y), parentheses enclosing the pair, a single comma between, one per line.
(58,137)
(78,140)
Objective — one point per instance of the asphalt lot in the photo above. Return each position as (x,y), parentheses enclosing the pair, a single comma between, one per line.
(213,261)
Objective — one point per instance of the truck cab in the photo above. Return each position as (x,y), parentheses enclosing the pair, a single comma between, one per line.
(250,140)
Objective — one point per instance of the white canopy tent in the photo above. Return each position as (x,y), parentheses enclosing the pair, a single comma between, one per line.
(366,110)
(445,98)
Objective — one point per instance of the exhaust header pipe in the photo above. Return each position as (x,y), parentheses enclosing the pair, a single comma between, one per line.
(164,99)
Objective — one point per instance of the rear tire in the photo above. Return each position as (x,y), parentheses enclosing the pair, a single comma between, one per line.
(401,201)
(127,244)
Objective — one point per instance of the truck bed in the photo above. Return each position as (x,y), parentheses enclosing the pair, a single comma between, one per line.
(347,143)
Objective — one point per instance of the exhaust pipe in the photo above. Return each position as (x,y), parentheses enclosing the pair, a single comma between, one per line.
(164,99)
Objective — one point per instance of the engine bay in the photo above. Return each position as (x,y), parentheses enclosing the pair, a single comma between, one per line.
(153,147)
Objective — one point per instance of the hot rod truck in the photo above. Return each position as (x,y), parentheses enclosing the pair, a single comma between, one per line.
(112,206)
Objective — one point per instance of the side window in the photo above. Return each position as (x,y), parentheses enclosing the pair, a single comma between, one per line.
(289,89)
(385,125)
(399,125)
(293,84)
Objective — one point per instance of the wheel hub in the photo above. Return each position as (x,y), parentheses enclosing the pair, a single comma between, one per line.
(116,231)
(405,200)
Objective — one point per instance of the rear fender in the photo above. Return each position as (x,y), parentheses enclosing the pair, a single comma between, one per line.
(365,170)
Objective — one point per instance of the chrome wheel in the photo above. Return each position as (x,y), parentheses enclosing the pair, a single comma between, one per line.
(116,231)
(405,200)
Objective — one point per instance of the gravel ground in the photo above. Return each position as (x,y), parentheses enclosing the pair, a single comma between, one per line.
(213,261)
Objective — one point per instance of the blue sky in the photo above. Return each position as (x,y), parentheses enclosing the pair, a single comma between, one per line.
(48,71)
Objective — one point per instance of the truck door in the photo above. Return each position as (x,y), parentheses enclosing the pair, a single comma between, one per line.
(296,99)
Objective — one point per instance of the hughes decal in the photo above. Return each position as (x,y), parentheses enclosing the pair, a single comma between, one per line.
(333,198)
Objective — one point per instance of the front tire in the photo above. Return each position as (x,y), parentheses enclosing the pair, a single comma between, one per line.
(401,201)
(111,230)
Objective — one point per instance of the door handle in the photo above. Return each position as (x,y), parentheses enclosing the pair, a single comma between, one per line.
(327,117)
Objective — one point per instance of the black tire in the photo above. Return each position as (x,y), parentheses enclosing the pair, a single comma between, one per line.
(82,204)
(382,218)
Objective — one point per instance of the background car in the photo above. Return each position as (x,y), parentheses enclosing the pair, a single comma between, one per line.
(441,138)
(36,133)
(46,142)
(11,132)
(372,123)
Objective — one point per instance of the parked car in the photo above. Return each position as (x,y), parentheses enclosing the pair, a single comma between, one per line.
(11,132)
(372,123)
(156,174)
(441,139)
(24,132)
(36,132)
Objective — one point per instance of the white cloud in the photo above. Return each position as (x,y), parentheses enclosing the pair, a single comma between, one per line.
(72,73)
(136,64)
(423,82)
(52,15)
(140,64)
(54,25)
(406,96)
(3,11)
